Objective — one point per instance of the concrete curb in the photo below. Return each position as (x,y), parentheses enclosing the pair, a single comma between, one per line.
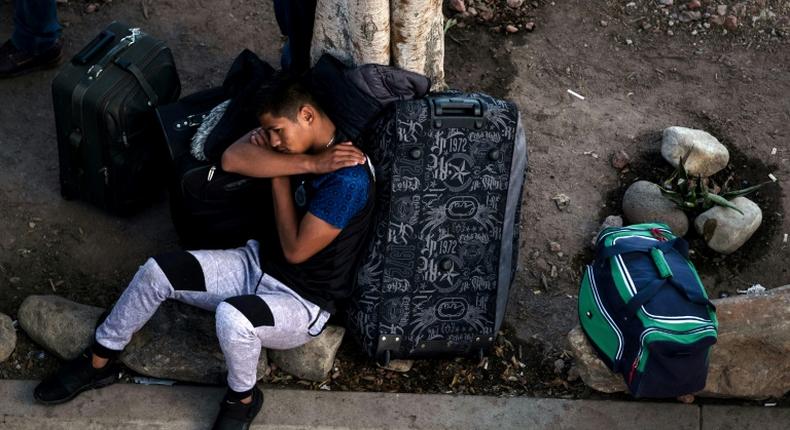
(128,406)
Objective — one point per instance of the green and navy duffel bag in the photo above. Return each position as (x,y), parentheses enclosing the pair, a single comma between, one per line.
(644,309)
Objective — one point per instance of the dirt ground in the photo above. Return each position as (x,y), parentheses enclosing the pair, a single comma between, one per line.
(636,79)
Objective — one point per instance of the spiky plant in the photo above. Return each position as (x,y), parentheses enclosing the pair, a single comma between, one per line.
(695,194)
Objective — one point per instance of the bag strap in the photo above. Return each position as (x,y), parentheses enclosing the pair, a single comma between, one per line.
(130,67)
(605,252)
(646,294)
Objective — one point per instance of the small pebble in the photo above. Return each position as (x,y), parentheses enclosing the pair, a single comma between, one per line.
(530,26)
(559,365)
(721,9)
(91,7)
(620,160)
(731,23)
(604,23)
(554,246)
(694,5)
(511,29)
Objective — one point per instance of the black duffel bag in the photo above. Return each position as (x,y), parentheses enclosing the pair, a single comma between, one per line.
(211,208)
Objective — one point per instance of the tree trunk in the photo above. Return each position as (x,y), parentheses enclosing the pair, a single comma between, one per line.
(404,33)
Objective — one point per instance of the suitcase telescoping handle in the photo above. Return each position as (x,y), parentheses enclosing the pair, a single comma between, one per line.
(96,45)
(95,70)
(456,112)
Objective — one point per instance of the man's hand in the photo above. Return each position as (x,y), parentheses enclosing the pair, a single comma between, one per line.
(259,138)
(252,156)
(337,157)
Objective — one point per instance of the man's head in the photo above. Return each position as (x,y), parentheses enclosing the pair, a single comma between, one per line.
(290,117)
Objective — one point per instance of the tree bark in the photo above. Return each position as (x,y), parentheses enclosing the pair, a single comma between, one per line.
(404,33)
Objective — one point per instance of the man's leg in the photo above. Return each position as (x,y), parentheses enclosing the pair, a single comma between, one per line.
(275,317)
(36,42)
(199,278)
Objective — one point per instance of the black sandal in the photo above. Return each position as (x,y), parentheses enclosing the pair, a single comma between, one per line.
(237,415)
(74,377)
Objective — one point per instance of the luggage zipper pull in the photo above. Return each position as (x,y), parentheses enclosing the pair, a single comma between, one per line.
(106,172)
(125,141)
(211,173)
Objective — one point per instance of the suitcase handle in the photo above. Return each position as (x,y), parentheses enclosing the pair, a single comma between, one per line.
(97,44)
(95,70)
(457,112)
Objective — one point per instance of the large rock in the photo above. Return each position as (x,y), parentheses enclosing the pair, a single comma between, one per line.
(705,155)
(592,370)
(750,359)
(724,229)
(643,202)
(63,327)
(752,356)
(7,337)
(180,342)
(313,360)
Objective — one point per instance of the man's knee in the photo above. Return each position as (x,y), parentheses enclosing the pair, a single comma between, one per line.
(243,313)
(182,270)
(149,277)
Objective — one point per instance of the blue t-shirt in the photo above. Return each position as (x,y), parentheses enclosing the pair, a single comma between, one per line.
(337,196)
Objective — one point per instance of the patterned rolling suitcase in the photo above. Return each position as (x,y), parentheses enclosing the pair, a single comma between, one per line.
(450,170)
(110,147)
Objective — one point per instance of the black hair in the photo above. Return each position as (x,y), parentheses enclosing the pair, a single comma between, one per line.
(284,95)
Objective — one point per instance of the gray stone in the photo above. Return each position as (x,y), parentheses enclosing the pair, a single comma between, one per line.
(610,221)
(643,202)
(724,229)
(63,327)
(750,358)
(592,370)
(7,337)
(313,360)
(705,154)
(180,342)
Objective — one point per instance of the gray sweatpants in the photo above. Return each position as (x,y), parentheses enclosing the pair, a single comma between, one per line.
(253,310)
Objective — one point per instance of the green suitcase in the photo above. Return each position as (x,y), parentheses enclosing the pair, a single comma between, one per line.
(110,147)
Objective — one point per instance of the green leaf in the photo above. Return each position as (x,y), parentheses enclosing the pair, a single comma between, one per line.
(721,201)
(682,167)
(740,193)
(450,23)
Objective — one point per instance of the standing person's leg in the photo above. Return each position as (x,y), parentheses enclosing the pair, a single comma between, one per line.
(36,26)
(199,278)
(295,18)
(36,42)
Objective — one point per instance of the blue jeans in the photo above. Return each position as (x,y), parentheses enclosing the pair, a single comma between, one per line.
(295,18)
(36,26)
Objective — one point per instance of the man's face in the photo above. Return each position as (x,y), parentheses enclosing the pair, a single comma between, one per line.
(285,135)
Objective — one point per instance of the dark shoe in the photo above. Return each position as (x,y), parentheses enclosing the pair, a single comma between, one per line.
(74,377)
(237,415)
(14,62)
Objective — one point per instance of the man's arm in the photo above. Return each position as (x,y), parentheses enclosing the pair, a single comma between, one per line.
(260,161)
(299,240)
